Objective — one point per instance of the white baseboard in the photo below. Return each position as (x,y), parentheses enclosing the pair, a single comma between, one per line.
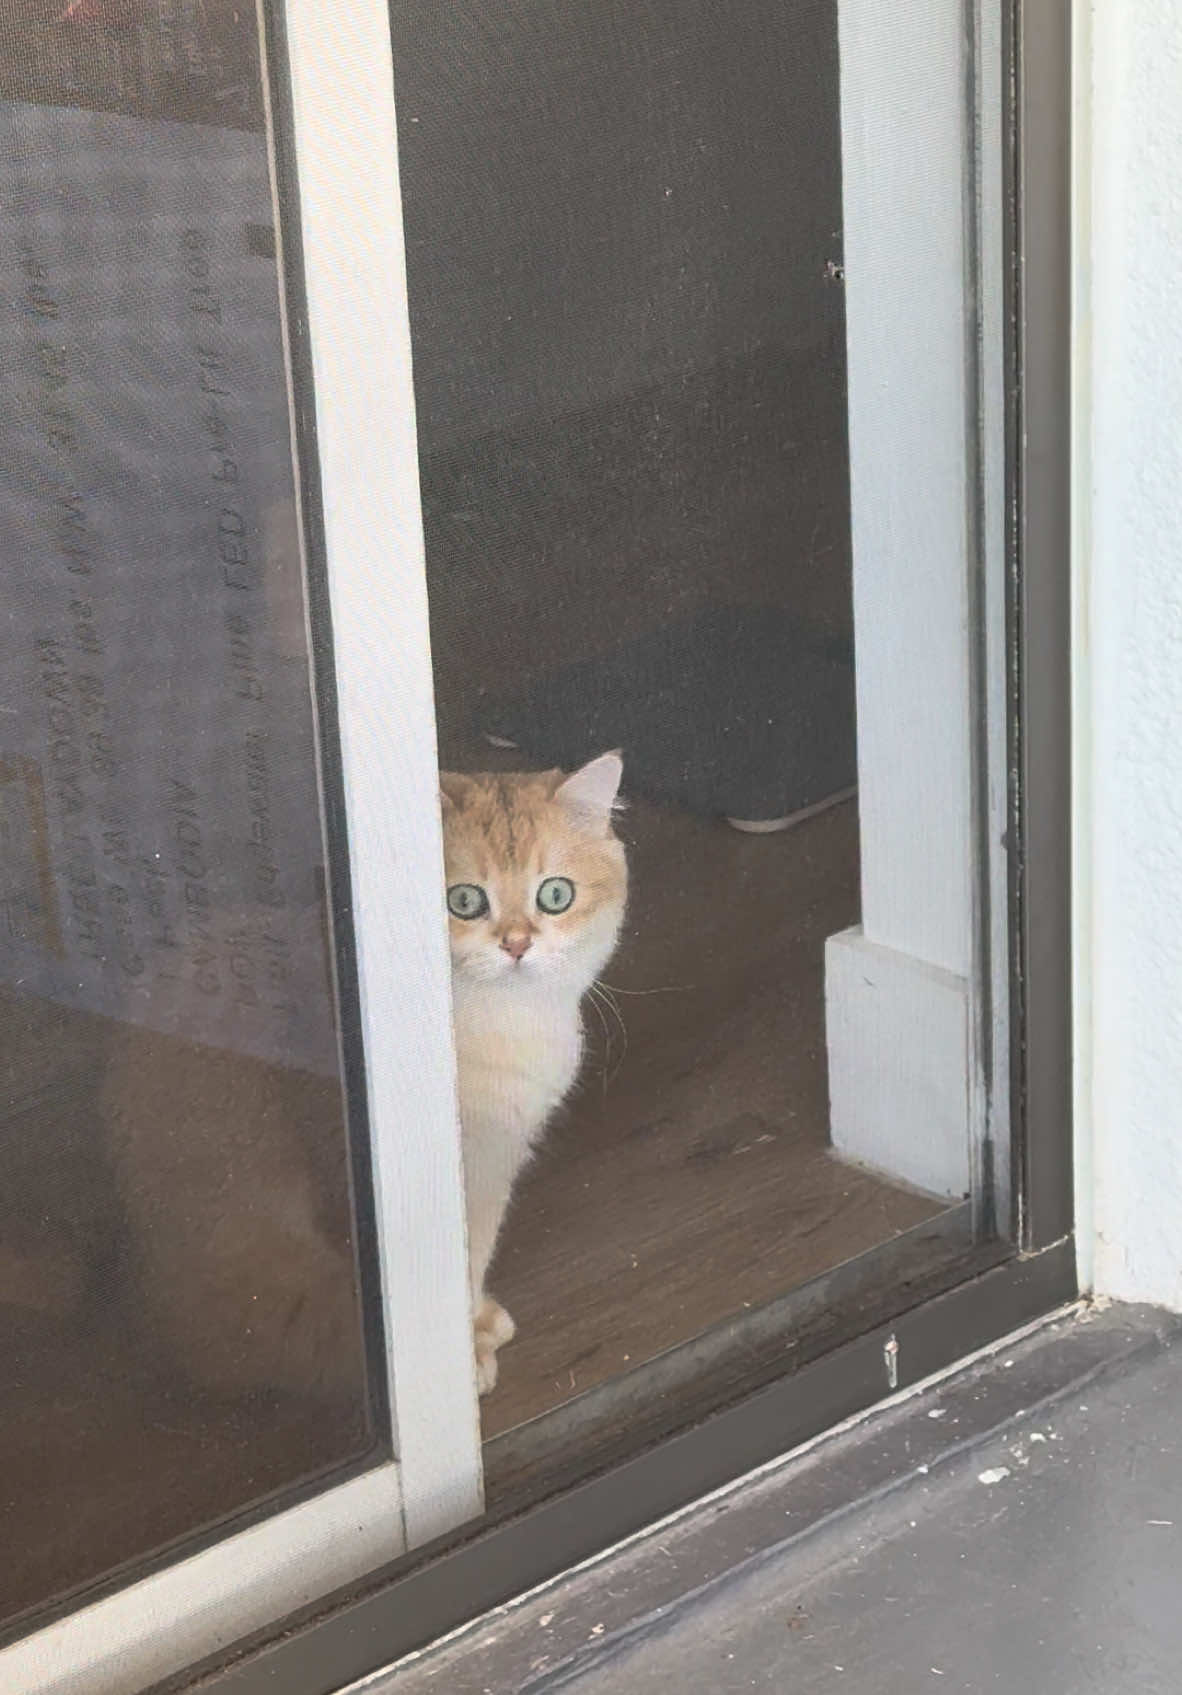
(897,1031)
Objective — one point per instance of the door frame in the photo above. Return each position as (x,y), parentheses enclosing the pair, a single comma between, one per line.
(419,1599)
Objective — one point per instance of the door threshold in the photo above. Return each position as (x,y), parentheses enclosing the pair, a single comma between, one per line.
(547,1639)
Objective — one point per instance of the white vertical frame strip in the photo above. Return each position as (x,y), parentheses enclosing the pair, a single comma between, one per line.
(900,1029)
(346,147)
(904,88)
(1087,103)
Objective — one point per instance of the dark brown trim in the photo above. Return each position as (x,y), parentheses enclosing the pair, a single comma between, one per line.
(1040,533)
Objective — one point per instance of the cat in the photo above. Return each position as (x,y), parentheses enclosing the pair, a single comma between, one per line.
(537,883)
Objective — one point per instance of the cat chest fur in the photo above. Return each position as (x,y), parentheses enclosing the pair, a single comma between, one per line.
(518,1052)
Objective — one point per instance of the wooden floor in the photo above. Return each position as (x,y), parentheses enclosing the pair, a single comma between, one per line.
(691,1177)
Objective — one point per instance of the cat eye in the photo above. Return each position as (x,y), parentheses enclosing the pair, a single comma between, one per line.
(555,895)
(468,900)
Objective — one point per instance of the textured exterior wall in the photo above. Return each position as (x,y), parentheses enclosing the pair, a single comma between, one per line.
(1129,555)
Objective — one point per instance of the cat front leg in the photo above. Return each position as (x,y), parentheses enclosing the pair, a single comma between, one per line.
(492,1159)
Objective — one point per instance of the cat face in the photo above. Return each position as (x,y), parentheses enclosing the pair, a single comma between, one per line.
(536,878)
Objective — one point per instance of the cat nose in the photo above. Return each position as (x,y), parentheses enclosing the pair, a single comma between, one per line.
(516,942)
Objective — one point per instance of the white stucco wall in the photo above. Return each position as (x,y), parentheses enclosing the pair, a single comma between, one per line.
(1128,551)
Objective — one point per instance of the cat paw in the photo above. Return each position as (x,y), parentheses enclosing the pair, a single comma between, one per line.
(494,1322)
(491,1330)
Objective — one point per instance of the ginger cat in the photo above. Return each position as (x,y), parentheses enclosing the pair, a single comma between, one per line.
(536,888)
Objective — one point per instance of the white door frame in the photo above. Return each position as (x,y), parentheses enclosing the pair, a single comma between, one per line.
(346,147)
(916,994)
(359,332)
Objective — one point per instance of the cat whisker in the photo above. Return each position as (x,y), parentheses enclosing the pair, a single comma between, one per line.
(668,989)
(606,996)
(593,1002)
(603,992)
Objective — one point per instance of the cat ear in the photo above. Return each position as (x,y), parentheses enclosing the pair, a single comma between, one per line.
(591,791)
